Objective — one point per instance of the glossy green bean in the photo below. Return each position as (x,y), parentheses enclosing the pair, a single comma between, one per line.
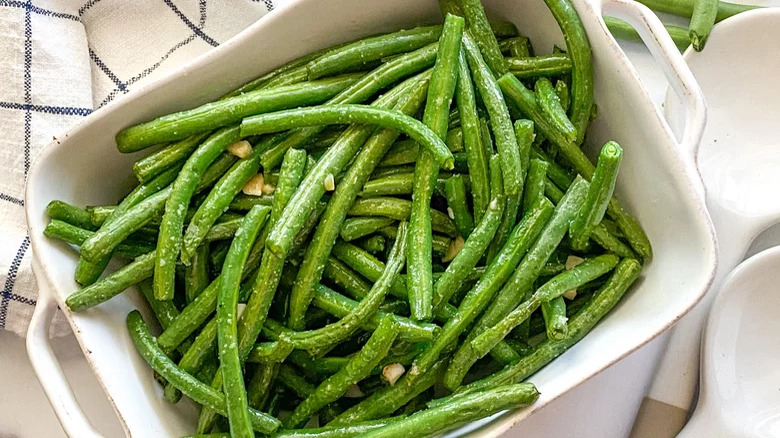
(556,64)
(578,48)
(370,49)
(399,209)
(600,192)
(260,385)
(196,276)
(400,184)
(358,367)
(170,236)
(106,288)
(167,157)
(455,189)
(534,183)
(342,275)
(357,227)
(448,416)
(440,243)
(244,202)
(555,320)
(480,29)
(551,106)
(188,384)
(518,47)
(70,214)
(373,244)
(335,213)
(702,20)
(229,111)
(476,155)
(523,98)
(57,229)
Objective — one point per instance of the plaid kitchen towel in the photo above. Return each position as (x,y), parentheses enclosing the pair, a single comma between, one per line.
(60,60)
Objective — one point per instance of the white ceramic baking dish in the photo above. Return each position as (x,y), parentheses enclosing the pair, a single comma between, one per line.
(658,183)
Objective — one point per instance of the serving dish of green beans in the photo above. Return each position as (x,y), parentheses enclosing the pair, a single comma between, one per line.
(386,237)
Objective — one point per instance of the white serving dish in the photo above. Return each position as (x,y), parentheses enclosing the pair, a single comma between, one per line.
(658,183)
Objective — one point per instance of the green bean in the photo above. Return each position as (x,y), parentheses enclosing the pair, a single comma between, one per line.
(580,324)
(557,174)
(350,431)
(244,202)
(506,141)
(170,236)
(479,28)
(582,68)
(196,277)
(335,159)
(448,416)
(192,387)
(169,156)
(555,320)
(534,183)
(455,188)
(518,47)
(624,31)
(440,243)
(556,64)
(229,111)
(385,401)
(339,306)
(104,289)
(476,155)
(336,211)
(562,91)
(521,283)
(355,228)
(358,367)
(370,49)
(227,329)
(164,311)
(551,106)
(469,255)
(454,138)
(369,85)
(57,229)
(599,194)
(684,8)
(399,209)
(259,388)
(220,196)
(69,214)
(348,113)
(498,271)
(426,169)
(193,359)
(398,185)
(402,152)
(290,378)
(524,99)
(702,19)
(105,239)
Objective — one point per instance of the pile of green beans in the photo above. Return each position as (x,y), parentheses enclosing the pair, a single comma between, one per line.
(703,15)
(326,243)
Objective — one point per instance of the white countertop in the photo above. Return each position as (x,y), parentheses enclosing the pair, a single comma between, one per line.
(604,406)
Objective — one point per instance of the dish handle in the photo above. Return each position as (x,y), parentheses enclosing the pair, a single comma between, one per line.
(668,57)
(48,368)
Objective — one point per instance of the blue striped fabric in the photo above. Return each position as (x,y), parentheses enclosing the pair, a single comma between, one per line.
(63,58)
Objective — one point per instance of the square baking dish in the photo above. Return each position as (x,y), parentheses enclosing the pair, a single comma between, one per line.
(658,183)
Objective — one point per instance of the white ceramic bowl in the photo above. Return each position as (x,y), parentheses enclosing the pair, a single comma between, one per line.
(657,183)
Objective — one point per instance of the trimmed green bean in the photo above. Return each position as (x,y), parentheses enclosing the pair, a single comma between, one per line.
(555,320)
(229,111)
(624,275)
(521,283)
(534,190)
(600,192)
(624,31)
(192,387)
(358,367)
(400,184)
(551,106)
(244,202)
(476,155)
(169,156)
(340,274)
(335,213)
(371,49)
(480,29)
(556,64)
(436,117)
(399,209)
(170,236)
(702,20)
(455,189)
(357,227)
(196,276)
(440,243)
(562,90)
(578,48)
(69,214)
(57,229)
(523,98)
(518,47)
(448,416)
(106,288)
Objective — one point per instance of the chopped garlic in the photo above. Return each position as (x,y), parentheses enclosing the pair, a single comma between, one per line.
(254,187)
(241,149)
(450,213)
(268,189)
(354,392)
(393,372)
(573,261)
(329,183)
(570,294)
(453,249)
